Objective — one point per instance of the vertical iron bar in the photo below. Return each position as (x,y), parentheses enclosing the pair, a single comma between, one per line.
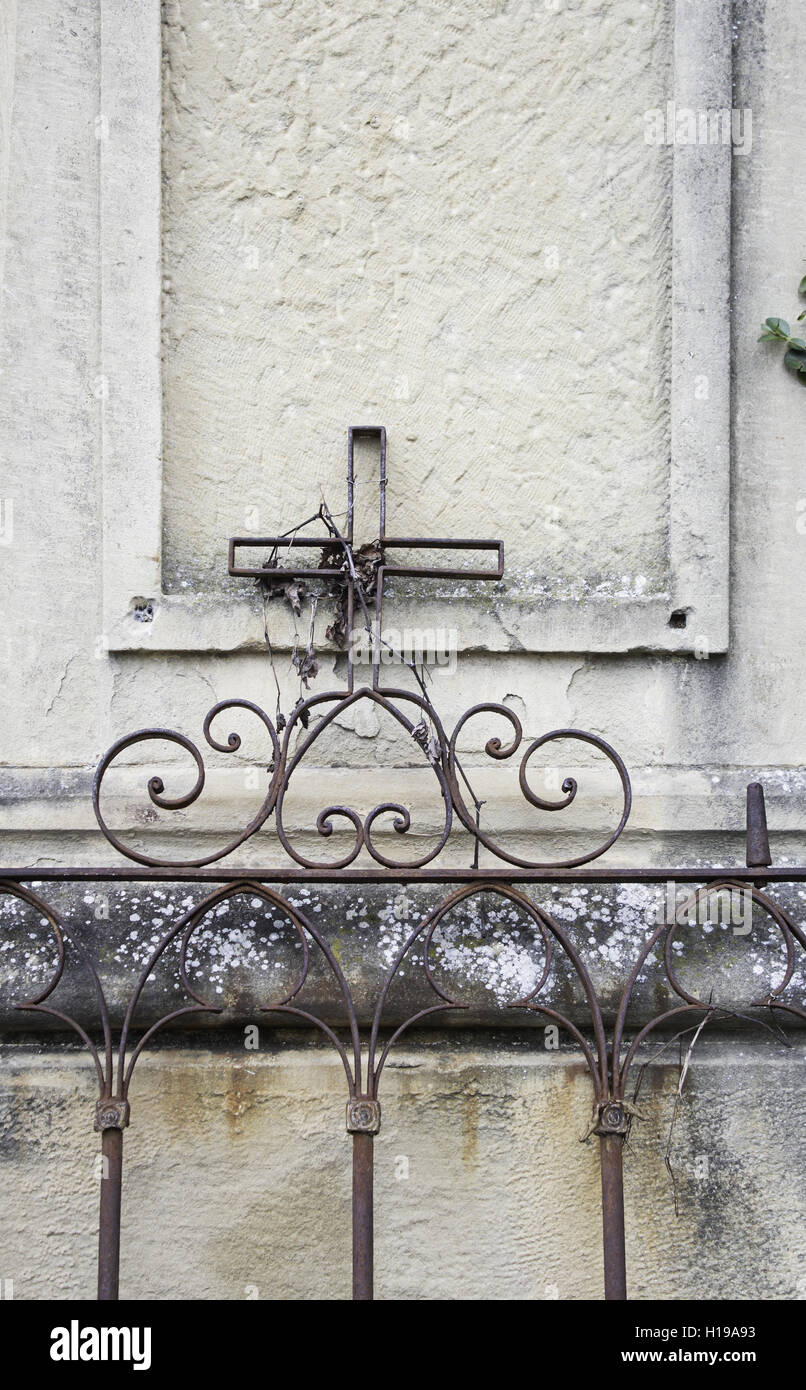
(362,1216)
(615,1264)
(109,1225)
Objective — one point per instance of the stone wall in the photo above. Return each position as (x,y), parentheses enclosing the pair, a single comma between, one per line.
(445,219)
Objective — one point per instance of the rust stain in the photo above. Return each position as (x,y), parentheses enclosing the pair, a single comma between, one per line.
(239,1098)
(470,1126)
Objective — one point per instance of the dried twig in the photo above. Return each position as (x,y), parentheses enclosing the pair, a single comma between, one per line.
(678,1094)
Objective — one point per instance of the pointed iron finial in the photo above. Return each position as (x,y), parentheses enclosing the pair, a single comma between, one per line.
(758,844)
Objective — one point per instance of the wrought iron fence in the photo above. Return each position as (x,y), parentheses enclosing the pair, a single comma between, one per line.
(609,1056)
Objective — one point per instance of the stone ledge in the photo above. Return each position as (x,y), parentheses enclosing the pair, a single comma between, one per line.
(245,954)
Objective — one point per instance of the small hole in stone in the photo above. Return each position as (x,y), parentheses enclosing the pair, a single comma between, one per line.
(678,618)
(142,610)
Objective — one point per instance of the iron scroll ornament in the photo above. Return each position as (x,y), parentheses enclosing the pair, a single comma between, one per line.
(362,598)
(438,751)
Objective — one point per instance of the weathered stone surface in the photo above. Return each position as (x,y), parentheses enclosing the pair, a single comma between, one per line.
(237,1176)
(486,953)
(380,211)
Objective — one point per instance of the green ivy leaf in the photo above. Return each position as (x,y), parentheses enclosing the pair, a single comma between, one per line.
(795,360)
(797,343)
(802,286)
(778,326)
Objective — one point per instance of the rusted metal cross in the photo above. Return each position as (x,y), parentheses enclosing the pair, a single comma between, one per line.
(346,571)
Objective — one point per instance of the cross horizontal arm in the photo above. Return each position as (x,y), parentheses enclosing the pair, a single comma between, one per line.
(398,543)
(273,543)
(432,572)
